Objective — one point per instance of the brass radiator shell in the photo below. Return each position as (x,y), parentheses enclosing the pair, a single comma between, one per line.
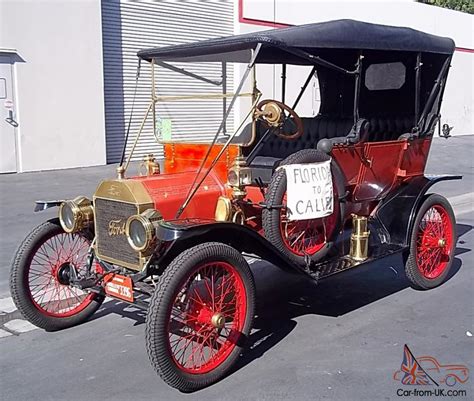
(115,201)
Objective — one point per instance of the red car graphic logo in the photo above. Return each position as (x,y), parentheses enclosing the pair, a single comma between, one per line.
(426,370)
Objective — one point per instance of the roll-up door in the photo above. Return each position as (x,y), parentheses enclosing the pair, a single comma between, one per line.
(129,26)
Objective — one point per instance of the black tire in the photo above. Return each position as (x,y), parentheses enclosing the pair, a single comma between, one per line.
(20,286)
(414,264)
(274,196)
(175,277)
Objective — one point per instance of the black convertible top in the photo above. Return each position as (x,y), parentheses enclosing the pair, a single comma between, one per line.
(339,34)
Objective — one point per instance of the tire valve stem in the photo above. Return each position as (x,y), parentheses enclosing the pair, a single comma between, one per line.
(359,238)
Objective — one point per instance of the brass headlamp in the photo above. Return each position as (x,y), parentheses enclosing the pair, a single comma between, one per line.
(223,209)
(76,215)
(141,230)
(238,176)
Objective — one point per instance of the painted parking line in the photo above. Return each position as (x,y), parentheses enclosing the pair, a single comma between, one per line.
(7,305)
(11,321)
(19,326)
(4,333)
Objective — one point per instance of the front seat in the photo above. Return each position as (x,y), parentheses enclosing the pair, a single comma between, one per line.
(276,149)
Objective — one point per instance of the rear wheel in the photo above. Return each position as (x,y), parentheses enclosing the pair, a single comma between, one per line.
(432,243)
(199,316)
(40,273)
(306,238)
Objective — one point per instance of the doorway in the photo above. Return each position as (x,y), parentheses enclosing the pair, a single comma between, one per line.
(8,120)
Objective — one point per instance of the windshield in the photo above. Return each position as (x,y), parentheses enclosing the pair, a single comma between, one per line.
(192,100)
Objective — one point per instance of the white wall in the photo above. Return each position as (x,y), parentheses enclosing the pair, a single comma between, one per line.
(458,106)
(60,101)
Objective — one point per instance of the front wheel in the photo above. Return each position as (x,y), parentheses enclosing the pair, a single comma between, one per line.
(432,243)
(40,273)
(200,314)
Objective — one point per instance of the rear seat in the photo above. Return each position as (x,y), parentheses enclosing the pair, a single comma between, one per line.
(382,128)
(389,128)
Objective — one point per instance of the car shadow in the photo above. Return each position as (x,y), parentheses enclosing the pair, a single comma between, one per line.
(282,297)
(333,297)
(122,309)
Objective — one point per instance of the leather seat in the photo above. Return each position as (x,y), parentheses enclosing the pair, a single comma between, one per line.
(315,128)
(381,128)
(277,149)
(389,128)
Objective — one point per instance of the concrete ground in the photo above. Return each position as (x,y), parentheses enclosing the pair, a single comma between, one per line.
(341,340)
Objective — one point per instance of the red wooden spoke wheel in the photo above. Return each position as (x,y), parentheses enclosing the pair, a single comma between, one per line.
(48,276)
(200,314)
(307,237)
(432,243)
(40,278)
(207,317)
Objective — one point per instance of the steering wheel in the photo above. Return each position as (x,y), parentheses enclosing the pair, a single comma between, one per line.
(272,113)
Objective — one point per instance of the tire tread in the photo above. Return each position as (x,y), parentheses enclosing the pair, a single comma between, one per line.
(155,322)
(412,272)
(18,284)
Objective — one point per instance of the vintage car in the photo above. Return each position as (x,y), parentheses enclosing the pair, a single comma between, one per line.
(314,196)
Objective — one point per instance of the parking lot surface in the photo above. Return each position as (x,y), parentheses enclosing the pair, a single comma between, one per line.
(340,340)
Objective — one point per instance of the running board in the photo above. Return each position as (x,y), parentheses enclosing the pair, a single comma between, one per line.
(336,265)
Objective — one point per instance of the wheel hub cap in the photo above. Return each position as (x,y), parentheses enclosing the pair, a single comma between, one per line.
(218,320)
(63,274)
(441,243)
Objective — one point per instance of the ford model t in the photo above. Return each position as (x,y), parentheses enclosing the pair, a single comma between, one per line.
(314,196)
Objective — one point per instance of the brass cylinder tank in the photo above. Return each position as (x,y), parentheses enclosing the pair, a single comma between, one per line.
(359,238)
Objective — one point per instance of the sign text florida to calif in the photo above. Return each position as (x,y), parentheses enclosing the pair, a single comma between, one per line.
(309,190)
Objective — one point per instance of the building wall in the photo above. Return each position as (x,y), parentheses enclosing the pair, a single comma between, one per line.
(458,105)
(59,70)
(130,26)
(59,84)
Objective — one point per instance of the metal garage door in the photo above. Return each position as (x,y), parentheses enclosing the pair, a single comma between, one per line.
(129,26)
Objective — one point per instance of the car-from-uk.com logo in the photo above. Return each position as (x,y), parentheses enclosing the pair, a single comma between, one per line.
(425,376)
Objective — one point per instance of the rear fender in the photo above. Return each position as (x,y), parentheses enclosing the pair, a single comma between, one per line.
(397,211)
(179,235)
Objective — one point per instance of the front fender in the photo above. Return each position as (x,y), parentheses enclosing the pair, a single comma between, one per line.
(179,235)
(41,205)
(396,213)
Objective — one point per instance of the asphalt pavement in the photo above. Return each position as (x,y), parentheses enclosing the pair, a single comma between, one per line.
(340,340)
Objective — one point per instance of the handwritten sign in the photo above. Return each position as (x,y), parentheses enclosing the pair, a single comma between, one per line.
(309,190)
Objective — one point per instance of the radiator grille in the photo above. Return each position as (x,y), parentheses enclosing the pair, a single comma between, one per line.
(112,244)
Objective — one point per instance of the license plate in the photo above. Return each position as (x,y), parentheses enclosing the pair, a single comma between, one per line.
(118,286)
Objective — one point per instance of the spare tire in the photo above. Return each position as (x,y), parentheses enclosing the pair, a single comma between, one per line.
(300,240)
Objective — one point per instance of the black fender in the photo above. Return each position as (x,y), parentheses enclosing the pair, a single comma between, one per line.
(179,235)
(396,213)
(41,205)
